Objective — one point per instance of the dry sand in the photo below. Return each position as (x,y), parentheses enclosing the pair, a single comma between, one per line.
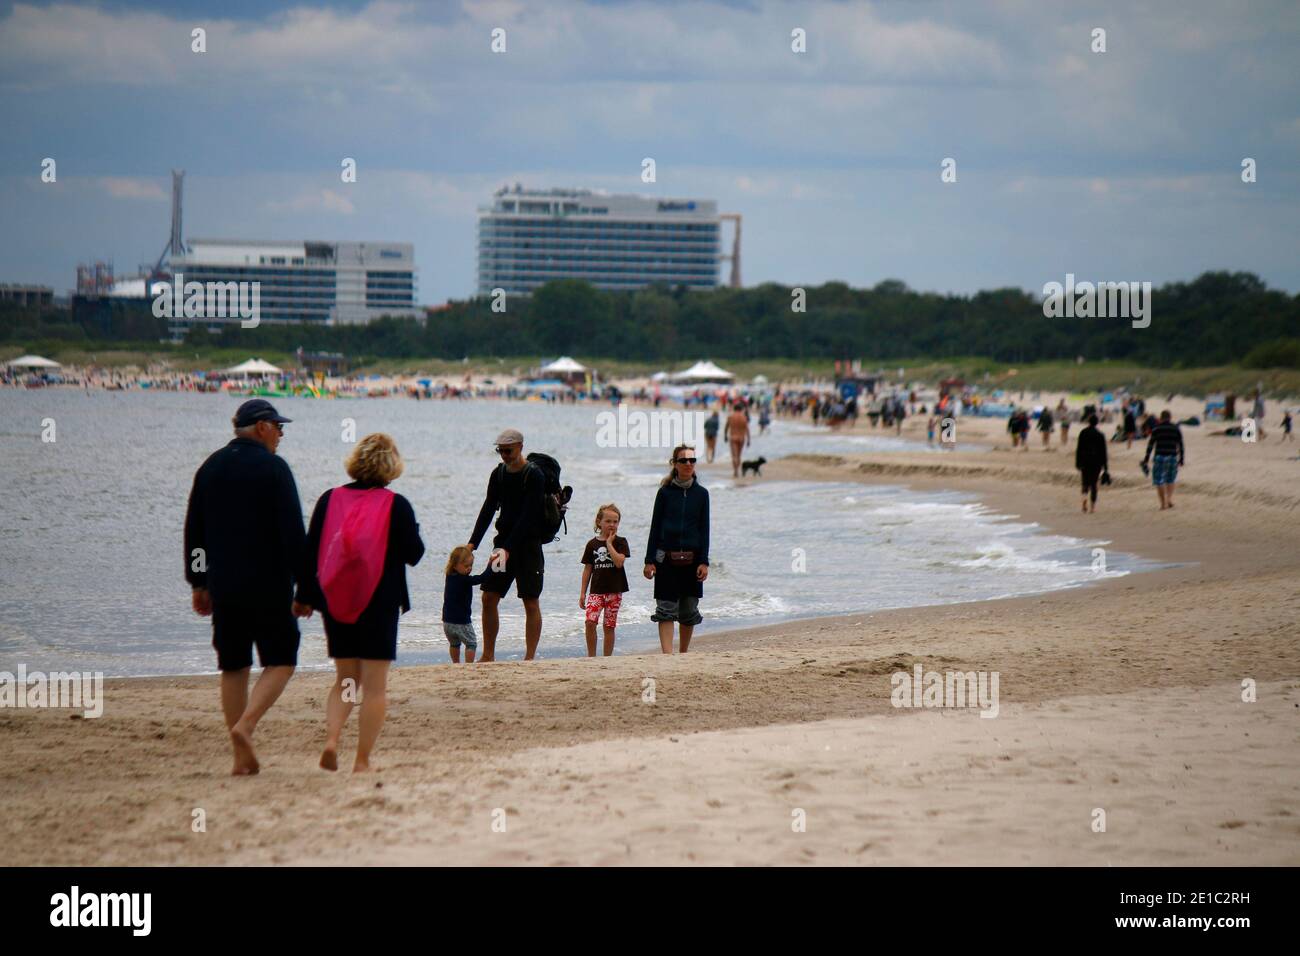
(1124,697)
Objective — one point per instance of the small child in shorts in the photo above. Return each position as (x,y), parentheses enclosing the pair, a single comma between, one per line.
(457,595)
(602,561)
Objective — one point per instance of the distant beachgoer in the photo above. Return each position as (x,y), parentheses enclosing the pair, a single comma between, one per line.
(1045,426)
(1130,425)
(1286,425)
(602,570)
(517,489)
(711,426)
(677,552)
(736,433)
(244,543)
(361,539)
(764,419)
(1013,427)
(1063,416)
(1091,460)
(457,599)
(1257,413)
(1167,444)
(929,430)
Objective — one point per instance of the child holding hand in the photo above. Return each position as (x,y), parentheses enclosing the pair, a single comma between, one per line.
(457,595)
(602,570)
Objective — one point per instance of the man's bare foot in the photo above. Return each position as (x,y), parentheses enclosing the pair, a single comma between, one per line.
(329,759)
(361,766)
(245,759)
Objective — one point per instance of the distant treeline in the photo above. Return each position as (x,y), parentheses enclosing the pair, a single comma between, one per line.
(1218,319)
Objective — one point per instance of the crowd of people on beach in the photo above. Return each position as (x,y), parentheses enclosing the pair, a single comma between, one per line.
(255,570)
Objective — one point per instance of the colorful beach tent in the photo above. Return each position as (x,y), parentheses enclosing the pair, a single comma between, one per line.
(253,366)
(33,361)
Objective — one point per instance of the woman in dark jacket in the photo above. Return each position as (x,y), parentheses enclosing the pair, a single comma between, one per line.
(1090,459)
(677,554)
(364,588)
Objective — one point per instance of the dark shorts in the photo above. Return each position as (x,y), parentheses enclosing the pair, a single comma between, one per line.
(526,567)
(236,629)
(370,638)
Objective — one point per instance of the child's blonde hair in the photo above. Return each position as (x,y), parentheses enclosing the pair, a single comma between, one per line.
(601,510)
(458,554)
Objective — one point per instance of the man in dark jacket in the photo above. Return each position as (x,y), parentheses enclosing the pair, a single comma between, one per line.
(516,488)
(244,543)
(1090,459)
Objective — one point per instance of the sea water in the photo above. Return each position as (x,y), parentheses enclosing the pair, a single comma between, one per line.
(91,553)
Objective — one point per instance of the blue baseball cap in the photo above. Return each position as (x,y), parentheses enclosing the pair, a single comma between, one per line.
(257,410)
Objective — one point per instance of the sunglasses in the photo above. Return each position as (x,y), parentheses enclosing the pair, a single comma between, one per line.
(505,449)
(684,461)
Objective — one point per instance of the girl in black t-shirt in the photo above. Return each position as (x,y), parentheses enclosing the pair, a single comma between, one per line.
(602,570)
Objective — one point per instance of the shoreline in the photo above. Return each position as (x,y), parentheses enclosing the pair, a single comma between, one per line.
(1125,695)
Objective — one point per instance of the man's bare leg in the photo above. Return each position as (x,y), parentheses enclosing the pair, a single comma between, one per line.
(609,640)
(591,638)
(666,636)
(265,693)
(234,695)
(338,707)
(532,627)
(491,624)
(685,631)
(374,708)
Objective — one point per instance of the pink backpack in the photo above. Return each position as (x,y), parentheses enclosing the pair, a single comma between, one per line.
(354,543)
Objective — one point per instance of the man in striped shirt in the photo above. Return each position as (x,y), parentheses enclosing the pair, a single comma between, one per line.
(1167,443)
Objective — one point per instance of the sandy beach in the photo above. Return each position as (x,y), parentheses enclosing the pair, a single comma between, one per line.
(778,744)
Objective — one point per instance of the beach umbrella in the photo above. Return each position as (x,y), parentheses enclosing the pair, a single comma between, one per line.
(564,366)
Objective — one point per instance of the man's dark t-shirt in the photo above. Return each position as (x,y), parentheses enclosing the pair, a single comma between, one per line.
(519,496)
(606,578)
(245,514)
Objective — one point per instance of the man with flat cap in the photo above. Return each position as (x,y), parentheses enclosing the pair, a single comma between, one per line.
(517,489)
(244,540)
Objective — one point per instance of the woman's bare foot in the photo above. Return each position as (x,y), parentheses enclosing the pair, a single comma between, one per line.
(329,759)
(361,766)
(245,758)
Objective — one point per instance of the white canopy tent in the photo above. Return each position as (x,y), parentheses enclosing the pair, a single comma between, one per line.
(33,361)
(254,366)
(564,366)
(702,372)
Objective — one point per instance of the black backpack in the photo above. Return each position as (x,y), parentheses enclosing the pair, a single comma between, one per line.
(555,499)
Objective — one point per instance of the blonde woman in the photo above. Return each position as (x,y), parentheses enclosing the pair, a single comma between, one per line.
(361,539)
(677,554)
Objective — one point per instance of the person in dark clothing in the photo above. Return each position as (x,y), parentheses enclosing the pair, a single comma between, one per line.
(1090,459)
(243,550)
(457,597)
(360,608)
(1130,424)
(677,552)
(1166,442)
(517,489)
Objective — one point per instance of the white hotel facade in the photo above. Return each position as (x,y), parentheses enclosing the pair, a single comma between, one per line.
(528,237)
(334,283)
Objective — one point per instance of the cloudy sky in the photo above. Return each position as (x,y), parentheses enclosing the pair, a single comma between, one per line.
(1122,165)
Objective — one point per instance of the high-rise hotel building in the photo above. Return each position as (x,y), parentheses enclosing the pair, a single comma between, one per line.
(528,237)
(335,283)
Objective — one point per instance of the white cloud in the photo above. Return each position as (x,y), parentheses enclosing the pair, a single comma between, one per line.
(126,187)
